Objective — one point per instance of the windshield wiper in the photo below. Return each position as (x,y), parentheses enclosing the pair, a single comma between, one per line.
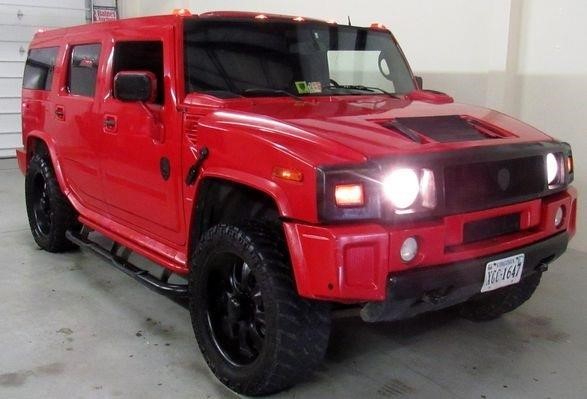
(268,90)
(362,88)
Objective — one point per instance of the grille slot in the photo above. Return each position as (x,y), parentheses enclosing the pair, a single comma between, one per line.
(489,184)
(444,129)
(485,229)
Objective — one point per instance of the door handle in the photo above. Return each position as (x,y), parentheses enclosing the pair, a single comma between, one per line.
(60,112)
(109,123)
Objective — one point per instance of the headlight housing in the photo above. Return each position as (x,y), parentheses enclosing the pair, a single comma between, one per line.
(409,189)
(372,193)
(412,187)
(555,169)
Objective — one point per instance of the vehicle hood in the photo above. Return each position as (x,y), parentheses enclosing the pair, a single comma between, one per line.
(377,126)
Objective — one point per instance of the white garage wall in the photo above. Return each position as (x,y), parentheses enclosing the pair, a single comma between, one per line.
(552,82)
(527,58)
(19,20)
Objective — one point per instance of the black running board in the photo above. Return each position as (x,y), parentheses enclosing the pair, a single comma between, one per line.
(118,257)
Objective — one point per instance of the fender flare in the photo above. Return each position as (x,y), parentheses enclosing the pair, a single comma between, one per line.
(47,139)
(266,186)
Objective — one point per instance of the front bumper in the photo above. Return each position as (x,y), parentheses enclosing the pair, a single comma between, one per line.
(353,263)
(419,291)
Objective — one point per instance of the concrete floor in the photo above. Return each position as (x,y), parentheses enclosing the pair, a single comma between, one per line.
(73,327)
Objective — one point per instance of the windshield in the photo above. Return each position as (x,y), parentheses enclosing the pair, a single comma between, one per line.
(230,58)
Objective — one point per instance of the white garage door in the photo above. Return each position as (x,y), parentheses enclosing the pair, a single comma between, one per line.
(19,20)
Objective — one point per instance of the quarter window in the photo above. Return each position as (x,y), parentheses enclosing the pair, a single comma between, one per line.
(38,70)
(83,69)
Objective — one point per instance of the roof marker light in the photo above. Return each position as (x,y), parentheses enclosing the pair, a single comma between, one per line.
(299,19)
(378,25)
(183,12)
(261,16)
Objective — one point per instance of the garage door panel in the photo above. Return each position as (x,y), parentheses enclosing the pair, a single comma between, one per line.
(10,105)
(40,16)
(10,87)
(10,140)
(13,69)
(9,153)
(19,21)
(75,4)
(13,51)
(18,32)
(10,123)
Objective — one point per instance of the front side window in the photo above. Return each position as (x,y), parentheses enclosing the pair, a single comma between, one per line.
(83,69)
(141,56)
(38,70)
(249,58)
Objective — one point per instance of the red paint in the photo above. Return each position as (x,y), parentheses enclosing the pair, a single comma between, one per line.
(111,174)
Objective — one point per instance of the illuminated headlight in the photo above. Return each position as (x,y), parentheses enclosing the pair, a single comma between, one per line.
(404,187)
(552,168)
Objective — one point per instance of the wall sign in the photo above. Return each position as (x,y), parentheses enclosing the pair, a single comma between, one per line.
(104,13)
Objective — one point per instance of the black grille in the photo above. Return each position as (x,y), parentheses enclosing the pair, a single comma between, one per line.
(489,184)
(485,229)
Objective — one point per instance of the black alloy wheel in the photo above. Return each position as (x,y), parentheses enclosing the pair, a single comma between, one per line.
(49,212)
(256,333)
(235,312)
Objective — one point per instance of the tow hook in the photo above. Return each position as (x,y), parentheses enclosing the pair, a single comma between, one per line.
(435,297)
(542,267)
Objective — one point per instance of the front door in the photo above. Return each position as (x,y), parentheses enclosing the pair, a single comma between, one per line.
(140,142)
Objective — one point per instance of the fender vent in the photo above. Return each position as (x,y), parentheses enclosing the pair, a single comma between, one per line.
(190,126)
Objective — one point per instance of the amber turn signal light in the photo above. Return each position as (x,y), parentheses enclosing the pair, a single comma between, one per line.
(570,165)
(349,195)
(288,174)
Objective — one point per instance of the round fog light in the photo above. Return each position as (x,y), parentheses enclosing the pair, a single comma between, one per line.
(409,249)
(559,216)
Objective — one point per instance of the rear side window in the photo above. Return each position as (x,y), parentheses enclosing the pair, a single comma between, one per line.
(38,70)
(141,56)
(83,69)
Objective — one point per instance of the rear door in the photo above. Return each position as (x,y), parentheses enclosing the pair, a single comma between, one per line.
(73,117)
(140,142)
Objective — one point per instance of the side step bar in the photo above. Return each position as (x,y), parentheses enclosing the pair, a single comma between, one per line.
(118,257)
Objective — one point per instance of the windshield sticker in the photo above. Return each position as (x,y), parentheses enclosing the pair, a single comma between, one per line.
(304,87)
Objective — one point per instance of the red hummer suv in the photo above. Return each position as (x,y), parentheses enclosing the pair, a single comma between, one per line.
(281,165)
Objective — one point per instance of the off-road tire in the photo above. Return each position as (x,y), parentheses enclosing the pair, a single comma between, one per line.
(297,330)
(491,305)
(61,214)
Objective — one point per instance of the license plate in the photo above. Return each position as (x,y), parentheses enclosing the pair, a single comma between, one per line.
(503,272)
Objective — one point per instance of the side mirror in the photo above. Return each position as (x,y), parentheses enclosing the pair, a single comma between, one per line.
(135,86)
(419,82)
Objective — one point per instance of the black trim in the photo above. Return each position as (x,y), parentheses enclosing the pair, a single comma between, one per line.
(418,291)
(118,256)
(165,168)
(484,229)
(371,174)
(194,170)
